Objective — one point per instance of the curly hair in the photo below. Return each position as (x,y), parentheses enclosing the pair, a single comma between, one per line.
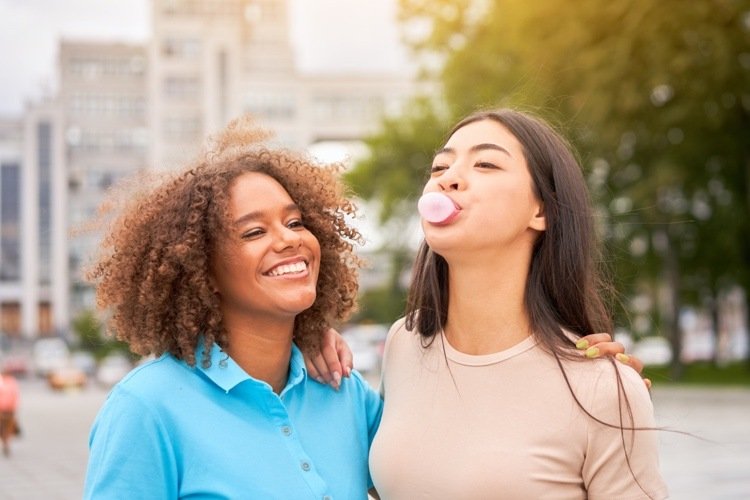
(153,274)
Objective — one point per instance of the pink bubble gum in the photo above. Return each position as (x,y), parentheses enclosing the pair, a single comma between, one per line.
(436,207)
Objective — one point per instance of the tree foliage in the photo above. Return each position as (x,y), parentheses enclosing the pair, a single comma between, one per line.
(656,95)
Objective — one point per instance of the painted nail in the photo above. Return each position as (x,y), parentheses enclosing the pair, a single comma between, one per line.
(648,383)
(622,358)
(320,380)
(347,371)
(336,380)
(582,344)
(592,352)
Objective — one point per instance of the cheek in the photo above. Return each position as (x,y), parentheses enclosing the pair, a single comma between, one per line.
(312,243)
(429,186)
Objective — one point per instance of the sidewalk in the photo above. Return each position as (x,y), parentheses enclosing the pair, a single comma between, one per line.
(714,463)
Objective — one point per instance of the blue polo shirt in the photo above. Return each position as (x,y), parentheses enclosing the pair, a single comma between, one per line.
(171,431)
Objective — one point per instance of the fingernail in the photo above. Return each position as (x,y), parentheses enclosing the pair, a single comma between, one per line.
(320,380)
(347,371)
(337,378)
(622,358)
(582,344)
(592,352)
(648,383)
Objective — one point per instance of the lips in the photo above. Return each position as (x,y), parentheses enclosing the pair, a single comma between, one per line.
(288,268)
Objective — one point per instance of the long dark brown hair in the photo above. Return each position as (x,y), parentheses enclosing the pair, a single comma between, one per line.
(564,288)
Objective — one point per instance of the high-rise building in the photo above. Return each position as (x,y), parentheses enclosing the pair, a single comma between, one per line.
(104,115)
(125,107)
(43,195)
(214,60)
(11,153)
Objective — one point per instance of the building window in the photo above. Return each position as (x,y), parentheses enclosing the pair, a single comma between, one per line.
(270,106)
(107,105)
(10,222)
(45,155)
(182,87)
(181,48)
(183,128)
(94,67)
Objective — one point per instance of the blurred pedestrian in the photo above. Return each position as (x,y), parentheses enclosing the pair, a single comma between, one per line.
(9,395)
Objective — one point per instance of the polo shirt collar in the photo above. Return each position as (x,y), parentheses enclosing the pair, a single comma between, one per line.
(227,374)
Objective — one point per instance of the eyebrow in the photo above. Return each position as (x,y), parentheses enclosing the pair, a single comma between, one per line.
(479,147)
(258,214)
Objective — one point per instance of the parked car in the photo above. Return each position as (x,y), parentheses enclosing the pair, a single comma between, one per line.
(48,354)
(16,364)
(85,361)
(653,351)
(66,377)
(366,342)
(112,369)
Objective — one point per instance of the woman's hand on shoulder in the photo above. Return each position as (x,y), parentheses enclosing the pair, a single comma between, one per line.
(597,345)
(332,362)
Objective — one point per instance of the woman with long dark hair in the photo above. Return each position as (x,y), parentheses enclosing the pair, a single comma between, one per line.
(485,393)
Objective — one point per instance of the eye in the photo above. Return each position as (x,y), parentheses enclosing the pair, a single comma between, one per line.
(438,168)
(253,233)
(295,224)
(486,165)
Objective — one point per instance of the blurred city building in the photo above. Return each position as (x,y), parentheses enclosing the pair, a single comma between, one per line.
(123,107)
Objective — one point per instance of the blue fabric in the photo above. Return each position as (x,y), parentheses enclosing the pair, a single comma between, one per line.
(171,431)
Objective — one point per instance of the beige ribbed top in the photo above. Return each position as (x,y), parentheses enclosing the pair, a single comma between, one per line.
(505,425)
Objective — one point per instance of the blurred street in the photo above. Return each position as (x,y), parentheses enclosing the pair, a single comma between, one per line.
(49,460)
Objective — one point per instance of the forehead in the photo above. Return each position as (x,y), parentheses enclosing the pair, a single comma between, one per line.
(254,191)
(484,132)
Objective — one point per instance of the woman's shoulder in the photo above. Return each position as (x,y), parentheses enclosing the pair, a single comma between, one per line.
(399,333)
(152,377)
(604,384)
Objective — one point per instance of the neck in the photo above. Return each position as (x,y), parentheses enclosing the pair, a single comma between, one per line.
(262,348)
(487,311)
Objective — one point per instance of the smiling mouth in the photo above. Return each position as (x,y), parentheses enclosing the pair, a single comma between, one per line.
(288,269)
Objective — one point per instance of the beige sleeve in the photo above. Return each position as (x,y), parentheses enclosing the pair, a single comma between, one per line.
(621,463)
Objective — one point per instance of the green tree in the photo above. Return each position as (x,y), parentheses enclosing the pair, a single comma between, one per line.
(656,95)
(91,337)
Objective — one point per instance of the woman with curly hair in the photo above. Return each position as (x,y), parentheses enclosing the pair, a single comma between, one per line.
(221,272)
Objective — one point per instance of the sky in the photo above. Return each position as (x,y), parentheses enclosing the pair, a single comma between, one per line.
(328,36)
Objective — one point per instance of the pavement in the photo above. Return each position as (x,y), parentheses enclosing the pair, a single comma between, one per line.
(48,461)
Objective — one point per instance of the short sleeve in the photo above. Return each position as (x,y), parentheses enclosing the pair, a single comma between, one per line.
(621,458)
(130,452)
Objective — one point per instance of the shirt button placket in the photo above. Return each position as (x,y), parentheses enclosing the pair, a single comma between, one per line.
(305,466)
(286,430)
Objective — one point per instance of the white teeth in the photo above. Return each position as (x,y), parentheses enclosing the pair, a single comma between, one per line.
(297,267)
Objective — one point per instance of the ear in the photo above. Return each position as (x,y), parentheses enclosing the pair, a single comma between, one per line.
(538,222)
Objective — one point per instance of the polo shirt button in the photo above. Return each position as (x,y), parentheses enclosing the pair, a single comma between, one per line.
(327,497)
(286,430)
(305,466)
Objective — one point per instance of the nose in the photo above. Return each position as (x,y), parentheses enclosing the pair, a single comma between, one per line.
(287,238)
(452,179)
